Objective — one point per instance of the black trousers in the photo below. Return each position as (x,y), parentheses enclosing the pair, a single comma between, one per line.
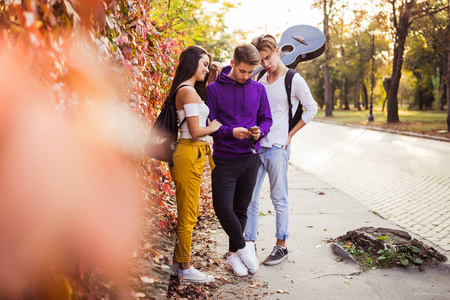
(233,180)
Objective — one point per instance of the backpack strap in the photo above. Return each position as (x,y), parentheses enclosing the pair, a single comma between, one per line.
(174,97)
(260,74)
(297,116)
(288,85)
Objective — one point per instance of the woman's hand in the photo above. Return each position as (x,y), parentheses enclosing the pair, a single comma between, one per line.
(214,124)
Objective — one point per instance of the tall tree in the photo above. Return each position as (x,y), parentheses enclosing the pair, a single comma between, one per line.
(361,36)
(200,22)
(435,28)
(327,5)
(401,17)
(448,85)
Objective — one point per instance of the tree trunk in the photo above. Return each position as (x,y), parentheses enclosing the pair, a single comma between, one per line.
(366,97)
(420,97)
(401,32)
(346,106)
(444,75)
(356,102)
(326,66)
(448,88)
(387,87)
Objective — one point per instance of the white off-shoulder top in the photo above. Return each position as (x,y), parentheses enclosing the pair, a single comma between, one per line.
(192,110)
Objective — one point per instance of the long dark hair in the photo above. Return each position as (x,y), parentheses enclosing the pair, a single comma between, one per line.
(187,66)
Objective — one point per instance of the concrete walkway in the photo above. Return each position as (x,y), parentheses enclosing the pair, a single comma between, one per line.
(320,212)
(338,177)
(404,179)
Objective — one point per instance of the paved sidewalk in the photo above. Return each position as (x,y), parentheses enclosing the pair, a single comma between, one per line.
(319,212)
(404,179)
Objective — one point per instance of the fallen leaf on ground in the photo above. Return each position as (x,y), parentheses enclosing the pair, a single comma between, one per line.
(222,279)
(255,284)
(139,295)
(147,280)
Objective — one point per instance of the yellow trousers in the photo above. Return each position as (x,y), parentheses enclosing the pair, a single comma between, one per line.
(188,164)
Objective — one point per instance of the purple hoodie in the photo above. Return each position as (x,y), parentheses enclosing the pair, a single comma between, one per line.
(237,105)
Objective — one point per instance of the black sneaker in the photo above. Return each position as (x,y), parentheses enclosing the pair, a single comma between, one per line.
(278,255)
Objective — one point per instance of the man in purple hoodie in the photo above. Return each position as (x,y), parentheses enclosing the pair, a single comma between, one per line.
(241,105)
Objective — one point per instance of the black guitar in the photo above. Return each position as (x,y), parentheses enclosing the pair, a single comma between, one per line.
(299,43)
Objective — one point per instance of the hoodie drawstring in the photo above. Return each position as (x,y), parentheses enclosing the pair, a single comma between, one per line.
(235,102)
(243,99)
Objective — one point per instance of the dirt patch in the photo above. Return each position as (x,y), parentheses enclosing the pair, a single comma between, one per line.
(405,127)
(417,127)
(385,248)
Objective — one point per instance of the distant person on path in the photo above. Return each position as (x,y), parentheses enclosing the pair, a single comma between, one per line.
(276,145)
(189,157)
(240,104)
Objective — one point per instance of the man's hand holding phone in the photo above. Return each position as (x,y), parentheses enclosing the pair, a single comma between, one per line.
(255,132)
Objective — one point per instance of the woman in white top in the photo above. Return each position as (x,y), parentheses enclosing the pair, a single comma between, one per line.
(189,158)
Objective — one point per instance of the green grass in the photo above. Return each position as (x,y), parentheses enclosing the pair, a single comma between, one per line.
(431,123)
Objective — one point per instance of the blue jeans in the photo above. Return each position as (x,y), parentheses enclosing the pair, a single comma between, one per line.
(274,162)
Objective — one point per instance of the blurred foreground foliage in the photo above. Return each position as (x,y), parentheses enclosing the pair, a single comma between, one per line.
(86,53)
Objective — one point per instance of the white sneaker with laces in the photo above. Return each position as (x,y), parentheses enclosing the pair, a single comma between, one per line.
(194,276)
(234,263)
(248,257)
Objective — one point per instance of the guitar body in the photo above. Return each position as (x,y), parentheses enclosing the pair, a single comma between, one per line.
(301,43)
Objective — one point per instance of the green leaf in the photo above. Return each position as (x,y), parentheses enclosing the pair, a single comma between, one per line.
(404,262)
(415,250)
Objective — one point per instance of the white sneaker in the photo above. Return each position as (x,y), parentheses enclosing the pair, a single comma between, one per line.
(194,276)
(234,263)
(248,257)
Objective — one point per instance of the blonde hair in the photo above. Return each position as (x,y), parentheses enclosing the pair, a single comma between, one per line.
(265,42)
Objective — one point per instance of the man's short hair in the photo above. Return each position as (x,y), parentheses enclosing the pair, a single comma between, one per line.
(265,42)
(246,53)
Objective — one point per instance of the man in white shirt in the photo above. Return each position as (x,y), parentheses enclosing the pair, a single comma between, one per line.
(275,147)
